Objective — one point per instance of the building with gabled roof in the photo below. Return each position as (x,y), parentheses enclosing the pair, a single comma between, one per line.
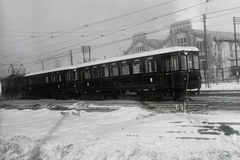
(141,44)
(220,47)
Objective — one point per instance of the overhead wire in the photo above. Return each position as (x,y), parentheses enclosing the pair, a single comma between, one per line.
(224,10)
(140,23)
(99,22)
(149,20)
(133,25)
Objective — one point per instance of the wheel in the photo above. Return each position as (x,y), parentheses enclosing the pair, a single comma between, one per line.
(101,97)
(176,96)
(115,96)
(160,97)
(105,96)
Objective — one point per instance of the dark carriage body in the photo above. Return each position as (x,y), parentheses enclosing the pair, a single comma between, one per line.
(154,73)
(157,73)
(13,86)
(56,83)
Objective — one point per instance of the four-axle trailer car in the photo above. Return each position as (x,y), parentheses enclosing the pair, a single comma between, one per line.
(152,74)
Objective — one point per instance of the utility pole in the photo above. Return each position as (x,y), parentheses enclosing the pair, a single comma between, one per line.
(42,66)
(71,58)
(89,51)
(86,49)
(235,20)
(205,50)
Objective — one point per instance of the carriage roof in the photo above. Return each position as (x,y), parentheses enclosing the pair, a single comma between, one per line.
(51,70)
(115,59)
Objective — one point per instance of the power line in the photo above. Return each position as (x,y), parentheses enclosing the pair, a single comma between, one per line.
(90,25)
(130,26)
(146,21)
(149,20)
(222,15)
(229,9)
(99,46)
(103,21)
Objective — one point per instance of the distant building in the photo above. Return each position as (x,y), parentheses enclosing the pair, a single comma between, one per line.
(220,47)
(141,43)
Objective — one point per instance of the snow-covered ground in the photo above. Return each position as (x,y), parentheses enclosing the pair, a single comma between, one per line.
(125,133)
(221,86)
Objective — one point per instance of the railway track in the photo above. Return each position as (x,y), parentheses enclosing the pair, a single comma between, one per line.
(219,93)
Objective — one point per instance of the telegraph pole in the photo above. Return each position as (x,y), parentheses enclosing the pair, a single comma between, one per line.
(71,58)
(205,50)
(235,20)
(86,49)
(89,51)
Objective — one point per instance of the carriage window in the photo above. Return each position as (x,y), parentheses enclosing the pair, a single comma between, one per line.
(95,72)
(16,82)
(190,61)
(150,65)
(125,68)
(20,81)
(87,74)
(37,80)
(68,76)
(4,84)
(47,79)
(175,64)
(114,69)
(24,81)
(104,71)
(137,67)
(42,79)
(33,80)
(59,78)
(183,62)
(11,83)
(195,62)
(29,81)
(168,66)
(75,75)
(53,78)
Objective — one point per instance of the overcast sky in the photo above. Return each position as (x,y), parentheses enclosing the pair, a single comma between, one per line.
(34,30)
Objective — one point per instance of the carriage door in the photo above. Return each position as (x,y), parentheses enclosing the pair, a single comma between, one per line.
(167,72)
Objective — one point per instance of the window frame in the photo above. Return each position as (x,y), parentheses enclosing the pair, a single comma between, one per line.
(139,68)
(68,76)
(114,68)
(185,62)
(104,69)
(174,65)
(190,61)
(95,68)
(58,77)
(47,79)
(125,64)
(88,71)
(150,65)
(53,77)
(196,66)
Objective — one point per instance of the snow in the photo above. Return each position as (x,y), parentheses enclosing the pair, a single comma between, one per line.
(221,86)
(122,133)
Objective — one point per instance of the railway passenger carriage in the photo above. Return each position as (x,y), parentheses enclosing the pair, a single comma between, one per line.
(55,83)
(13,86)
(153,74)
